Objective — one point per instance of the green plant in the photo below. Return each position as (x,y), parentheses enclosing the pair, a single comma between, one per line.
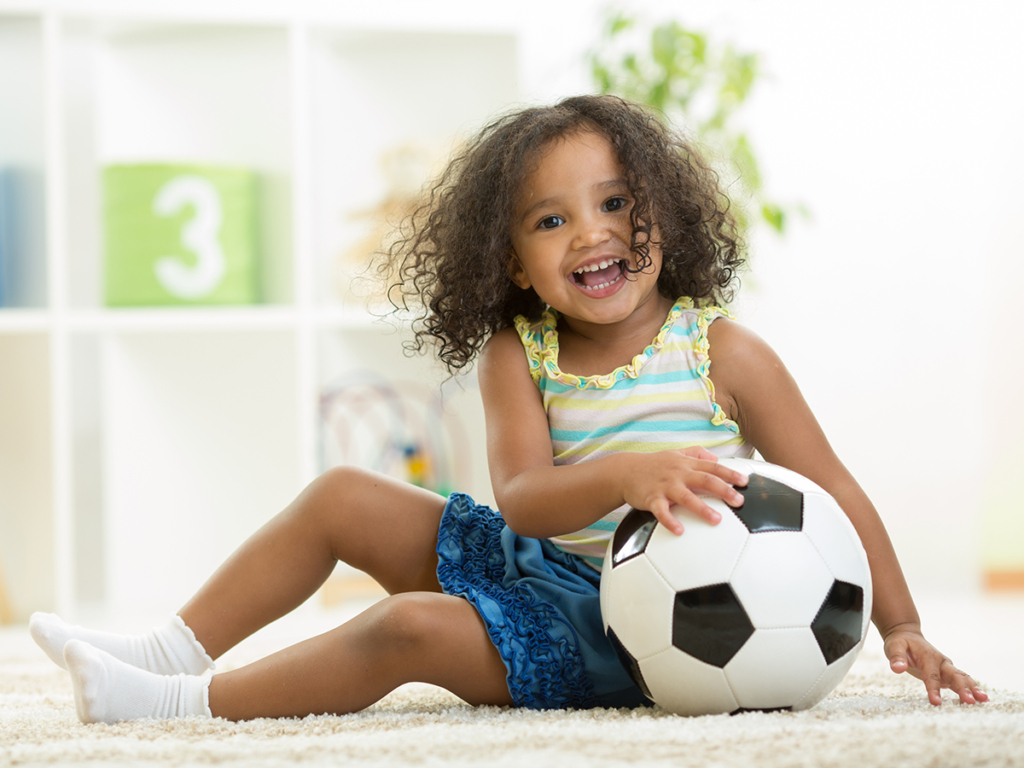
(697,84)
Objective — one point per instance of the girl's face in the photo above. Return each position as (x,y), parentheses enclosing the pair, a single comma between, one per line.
(571,233)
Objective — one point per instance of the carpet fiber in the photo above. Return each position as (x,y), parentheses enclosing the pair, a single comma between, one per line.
(874,718)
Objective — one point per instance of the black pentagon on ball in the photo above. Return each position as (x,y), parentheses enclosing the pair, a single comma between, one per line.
(710,624)
(627,661)
(837,626)
(769,505)
(631,535)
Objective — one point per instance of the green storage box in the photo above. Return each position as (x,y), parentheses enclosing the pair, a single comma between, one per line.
(180,234)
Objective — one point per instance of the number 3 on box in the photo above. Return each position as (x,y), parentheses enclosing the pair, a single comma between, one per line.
(200,235)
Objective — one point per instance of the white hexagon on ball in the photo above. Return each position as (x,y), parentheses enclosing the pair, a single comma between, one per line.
(707,691)
(781,580)
(775,667)
(704,554)
(634,603)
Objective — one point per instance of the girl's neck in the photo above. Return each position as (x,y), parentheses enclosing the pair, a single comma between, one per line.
(593,349)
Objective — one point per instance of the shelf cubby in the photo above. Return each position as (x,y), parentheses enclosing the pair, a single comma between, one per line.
(139,445)
(175,93)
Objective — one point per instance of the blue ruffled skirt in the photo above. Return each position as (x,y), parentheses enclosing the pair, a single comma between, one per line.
(541,607)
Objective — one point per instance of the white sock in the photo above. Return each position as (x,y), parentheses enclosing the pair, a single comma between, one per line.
(167,650)
(108,690)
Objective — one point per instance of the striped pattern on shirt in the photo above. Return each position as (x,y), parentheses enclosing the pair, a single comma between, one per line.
(663,400)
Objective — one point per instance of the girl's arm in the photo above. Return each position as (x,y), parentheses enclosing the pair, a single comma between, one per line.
(754,388)
(538,499)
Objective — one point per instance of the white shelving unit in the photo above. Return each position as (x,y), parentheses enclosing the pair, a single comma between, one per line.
(138,447)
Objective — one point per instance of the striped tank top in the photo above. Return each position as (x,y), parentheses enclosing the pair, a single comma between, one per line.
(663,400)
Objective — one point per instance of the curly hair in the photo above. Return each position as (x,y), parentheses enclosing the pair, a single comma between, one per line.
(450,260)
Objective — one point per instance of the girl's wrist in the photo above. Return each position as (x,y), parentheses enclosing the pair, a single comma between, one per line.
(619,467)
(903,626)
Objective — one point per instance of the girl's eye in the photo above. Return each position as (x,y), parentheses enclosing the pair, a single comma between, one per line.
(550,222)
(616,204)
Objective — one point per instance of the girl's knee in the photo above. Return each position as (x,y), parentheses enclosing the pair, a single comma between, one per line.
(439,639)
(342,489)
(343,479)
(430,626)
(411,621)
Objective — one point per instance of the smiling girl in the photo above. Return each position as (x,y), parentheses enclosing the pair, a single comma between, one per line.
(579,253)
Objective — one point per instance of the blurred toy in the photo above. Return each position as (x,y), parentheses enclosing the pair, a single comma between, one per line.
(399,428)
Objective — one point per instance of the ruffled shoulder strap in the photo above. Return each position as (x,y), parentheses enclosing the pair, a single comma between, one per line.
(537,337)
(701,348)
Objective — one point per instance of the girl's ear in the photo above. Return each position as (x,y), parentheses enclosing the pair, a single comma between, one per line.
(517,272)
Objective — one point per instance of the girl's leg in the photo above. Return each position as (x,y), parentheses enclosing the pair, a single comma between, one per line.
(413,637)
(375,523)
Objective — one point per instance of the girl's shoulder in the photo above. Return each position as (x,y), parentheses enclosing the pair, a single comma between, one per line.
(733,344)
(502,365)
(503,349)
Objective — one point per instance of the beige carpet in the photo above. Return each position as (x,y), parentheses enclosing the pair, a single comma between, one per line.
(873,719)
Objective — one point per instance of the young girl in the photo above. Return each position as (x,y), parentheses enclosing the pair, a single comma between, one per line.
(578,252)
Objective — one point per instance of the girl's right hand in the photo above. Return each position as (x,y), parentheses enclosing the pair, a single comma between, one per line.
(656,481)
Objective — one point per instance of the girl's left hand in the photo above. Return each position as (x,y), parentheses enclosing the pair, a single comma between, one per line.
(908,651)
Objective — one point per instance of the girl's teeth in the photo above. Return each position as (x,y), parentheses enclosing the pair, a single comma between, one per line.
(602,285)
(596,267)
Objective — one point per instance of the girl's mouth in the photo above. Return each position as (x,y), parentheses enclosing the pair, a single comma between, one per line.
(594,277)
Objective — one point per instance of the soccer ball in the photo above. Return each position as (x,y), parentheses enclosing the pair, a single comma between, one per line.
(766,610)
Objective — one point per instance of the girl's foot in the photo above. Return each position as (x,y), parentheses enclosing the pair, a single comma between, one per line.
(167,650)
(108,690)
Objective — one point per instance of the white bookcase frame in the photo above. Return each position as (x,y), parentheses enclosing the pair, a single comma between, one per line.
(62,458)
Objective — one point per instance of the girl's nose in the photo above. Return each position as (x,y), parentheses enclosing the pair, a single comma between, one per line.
(591,232)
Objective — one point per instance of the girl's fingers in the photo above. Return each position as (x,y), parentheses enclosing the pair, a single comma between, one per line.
(699,452)
(898,664)
(897,654)
(714,469)
(932,676)
(718,487)
(963,685)
(730,476)
(703,475)
(661,511)
(689,500)
(924,662)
